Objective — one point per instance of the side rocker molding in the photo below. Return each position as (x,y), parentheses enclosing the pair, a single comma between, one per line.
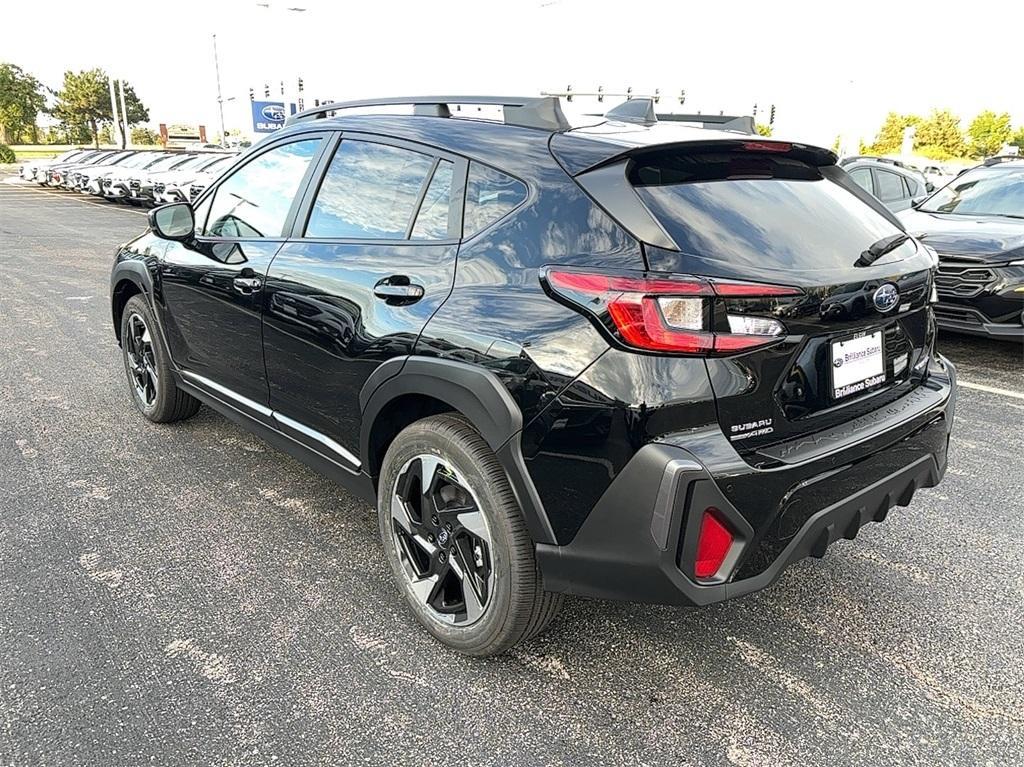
(476,393)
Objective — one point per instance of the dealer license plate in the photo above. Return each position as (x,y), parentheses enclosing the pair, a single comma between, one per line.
(858,364)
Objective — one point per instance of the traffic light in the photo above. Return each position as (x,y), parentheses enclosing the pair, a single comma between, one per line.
(755,110)
(771,118)
(266,90)
(300,85)
(252,95)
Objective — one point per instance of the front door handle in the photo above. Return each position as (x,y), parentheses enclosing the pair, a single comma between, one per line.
(398,290)
(247,284)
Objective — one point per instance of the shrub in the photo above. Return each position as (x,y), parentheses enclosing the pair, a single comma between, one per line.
(6,155)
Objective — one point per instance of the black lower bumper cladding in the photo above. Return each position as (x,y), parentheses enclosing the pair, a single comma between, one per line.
(638,543)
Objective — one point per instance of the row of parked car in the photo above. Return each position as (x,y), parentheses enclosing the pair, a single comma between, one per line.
(139,177)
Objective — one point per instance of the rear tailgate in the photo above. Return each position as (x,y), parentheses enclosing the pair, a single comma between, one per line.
(860,334)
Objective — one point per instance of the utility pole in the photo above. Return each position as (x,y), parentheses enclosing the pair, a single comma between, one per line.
(126,136)
(220,100)
(113,110)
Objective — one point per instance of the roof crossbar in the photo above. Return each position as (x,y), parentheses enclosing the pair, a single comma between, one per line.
(543,112)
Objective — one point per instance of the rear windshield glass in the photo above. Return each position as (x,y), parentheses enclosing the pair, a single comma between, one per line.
(759,211)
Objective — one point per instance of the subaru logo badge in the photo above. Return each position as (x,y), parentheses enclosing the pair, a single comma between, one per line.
(886,297)
(273,112)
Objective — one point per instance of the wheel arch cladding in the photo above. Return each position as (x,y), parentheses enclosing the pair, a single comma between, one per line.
(431,385)
(124,288)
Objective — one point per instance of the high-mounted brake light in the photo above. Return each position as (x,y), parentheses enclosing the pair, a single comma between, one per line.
(713,544)
(767,146)
(665,313)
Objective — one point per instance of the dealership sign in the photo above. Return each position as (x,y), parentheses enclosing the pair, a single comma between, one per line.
(268,116)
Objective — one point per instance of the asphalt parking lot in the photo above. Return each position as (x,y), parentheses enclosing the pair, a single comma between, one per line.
(187,595)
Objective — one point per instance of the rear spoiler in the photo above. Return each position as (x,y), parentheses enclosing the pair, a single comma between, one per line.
(579,154)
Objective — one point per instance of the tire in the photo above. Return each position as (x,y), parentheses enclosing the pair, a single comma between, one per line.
(493,548)
(147,366)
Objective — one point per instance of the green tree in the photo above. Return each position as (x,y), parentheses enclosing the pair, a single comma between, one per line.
(763,130)
(988,132)
(22,98)
(1017,139)
(890,135)
(145,137)
(942,131)
(84,99)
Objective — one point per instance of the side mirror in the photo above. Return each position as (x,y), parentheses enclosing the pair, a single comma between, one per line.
(173,222)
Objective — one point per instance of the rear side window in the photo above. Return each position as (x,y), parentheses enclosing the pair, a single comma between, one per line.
(254,201)
(370,191)
(758,211)
(890,186)
(490,195)
(432,220)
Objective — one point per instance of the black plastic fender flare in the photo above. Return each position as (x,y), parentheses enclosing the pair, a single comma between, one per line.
(132,271)
(477,394)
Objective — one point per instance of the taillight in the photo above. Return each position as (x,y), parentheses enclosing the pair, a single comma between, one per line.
(666,313)
(713,544)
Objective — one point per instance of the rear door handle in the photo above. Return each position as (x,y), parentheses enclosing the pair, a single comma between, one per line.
(247,284)
(398,290)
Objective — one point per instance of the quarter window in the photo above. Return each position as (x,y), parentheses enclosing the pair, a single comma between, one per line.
(370,191)
(254,201)
(490,195)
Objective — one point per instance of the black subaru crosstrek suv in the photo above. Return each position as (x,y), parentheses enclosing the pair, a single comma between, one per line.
(629,360)
(976,225)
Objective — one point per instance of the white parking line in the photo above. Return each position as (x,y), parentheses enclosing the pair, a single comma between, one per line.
(28,193)
(991,389)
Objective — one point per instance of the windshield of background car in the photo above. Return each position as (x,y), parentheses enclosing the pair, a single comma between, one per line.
(756,210)
(982,191)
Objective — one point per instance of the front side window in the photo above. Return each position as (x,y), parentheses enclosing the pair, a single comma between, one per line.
(862,178)
(254,201)
(370,191)
(490,195)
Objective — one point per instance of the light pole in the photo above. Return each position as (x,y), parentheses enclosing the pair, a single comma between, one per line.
(293,77)
(220,99)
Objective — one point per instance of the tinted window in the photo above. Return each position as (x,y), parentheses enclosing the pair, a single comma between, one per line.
(370,191)
(432,220)
(890,186)
(992,191)
(759,211)
(862,177)
(490,194)
(254,200)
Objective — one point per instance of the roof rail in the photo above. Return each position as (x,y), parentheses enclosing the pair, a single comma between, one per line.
(1001,158)
(542,112)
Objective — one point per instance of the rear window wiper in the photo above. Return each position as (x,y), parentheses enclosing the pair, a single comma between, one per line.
(880,248)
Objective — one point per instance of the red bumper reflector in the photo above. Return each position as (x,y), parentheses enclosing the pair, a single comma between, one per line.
(713,545)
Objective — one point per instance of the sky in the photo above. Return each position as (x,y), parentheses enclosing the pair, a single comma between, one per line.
(829,68)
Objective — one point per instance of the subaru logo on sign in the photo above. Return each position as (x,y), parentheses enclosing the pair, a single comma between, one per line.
(886,297)
(273,112)
(269,116)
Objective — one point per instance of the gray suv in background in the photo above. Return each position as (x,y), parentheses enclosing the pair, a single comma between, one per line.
(894,184)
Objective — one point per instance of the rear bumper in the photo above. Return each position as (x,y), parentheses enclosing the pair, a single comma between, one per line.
(639,541)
